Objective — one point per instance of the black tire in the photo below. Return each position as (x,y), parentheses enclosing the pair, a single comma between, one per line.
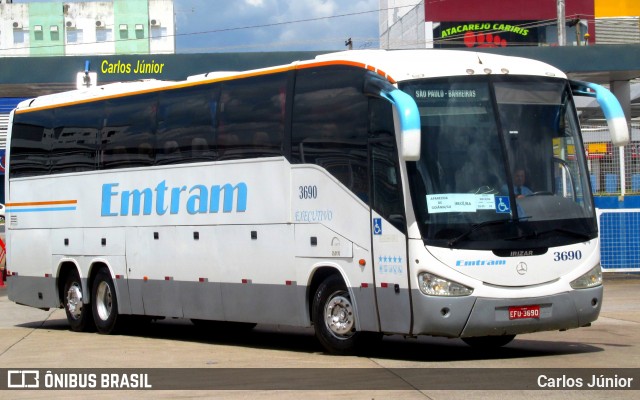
(333,317)
(105,303)
(78,313)
(488,342)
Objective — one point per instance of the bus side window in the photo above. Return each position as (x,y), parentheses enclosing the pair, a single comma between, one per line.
(30,143)
(380,118)
(387,188)
(75,139)
(130,123)
(386,185)
(330,123)
(251,117)
(185,115)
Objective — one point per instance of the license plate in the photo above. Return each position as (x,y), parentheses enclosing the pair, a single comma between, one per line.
(524,312)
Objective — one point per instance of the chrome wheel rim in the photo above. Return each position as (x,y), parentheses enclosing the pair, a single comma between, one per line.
(338,315)
(104,301)
(74,300)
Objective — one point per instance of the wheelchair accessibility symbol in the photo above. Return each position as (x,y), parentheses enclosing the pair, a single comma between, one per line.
(377,226)
(502,204)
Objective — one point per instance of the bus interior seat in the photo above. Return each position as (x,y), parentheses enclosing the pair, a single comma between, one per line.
(200,148)
(144,155)
(228,146)
(115,156)
(199,144)
(145,149)
(171,147)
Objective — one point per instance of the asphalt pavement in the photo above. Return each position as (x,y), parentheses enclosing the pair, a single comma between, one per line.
(272,362)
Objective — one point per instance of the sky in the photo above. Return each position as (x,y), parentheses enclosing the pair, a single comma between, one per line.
(205,26)
(270,25)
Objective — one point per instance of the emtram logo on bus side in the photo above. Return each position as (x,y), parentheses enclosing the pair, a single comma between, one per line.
(198,199)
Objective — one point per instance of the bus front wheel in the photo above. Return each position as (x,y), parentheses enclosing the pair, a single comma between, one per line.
(105,303)
(334,318)
(78,313)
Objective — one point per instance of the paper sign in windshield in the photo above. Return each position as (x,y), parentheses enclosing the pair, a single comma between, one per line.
(459,202)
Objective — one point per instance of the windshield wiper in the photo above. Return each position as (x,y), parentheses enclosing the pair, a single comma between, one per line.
(536,234)
(480,225)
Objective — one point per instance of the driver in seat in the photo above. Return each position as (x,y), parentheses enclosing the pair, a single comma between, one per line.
(519,188)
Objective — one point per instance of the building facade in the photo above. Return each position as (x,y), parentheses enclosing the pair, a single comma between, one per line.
(55,29)
(470,23)
(71,28)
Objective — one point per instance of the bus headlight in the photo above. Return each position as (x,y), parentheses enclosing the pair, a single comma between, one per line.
(433,285)
(591,279)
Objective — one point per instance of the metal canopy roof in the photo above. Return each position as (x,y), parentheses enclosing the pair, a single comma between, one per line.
(34,76)
(599,64)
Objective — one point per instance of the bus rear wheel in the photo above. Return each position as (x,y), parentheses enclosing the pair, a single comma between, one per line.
(334,318)
(78,313)
(105,303)
(488,342)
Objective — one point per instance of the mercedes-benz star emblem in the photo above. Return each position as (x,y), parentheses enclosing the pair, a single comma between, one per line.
(521,268)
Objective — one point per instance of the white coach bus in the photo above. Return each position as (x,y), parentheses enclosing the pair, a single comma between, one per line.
(362,193)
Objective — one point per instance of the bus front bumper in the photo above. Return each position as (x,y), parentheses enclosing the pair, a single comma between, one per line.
(477,316)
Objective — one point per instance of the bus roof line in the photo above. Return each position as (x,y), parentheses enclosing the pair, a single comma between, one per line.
(197,82)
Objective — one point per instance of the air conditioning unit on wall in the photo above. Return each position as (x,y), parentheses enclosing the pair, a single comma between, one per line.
(155,22)
(70,25)
(17,25)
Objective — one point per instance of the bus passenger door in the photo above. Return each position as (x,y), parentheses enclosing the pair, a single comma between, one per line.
(389,239)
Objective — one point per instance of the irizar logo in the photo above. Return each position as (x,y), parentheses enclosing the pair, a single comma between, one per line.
(199,199)
(479,263)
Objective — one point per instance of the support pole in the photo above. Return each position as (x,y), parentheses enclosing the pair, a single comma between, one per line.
(562,38)
(623,180)
(622,91)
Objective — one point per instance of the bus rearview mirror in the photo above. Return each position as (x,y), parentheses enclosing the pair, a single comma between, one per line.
(407,122)
(616,121)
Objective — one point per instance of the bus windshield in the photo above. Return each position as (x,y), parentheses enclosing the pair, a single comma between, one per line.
(501,166)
